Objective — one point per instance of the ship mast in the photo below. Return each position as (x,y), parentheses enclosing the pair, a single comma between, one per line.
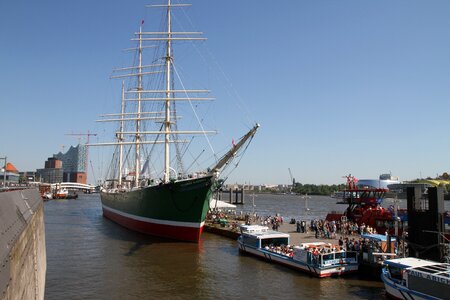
(168,96)
(165,96)
(138,113)
(120,136)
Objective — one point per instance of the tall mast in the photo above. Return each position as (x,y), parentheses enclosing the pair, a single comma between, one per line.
(138,115)
(120,136)
(168,95)
(139,94)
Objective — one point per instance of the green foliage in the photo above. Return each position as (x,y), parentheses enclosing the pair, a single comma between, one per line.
(312,189)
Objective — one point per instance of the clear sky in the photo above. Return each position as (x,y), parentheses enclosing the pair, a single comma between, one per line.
(339,87)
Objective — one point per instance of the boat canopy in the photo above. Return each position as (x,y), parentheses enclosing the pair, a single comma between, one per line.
(377,237)
(262,232)
(273,235)
(409,262)
(254,228)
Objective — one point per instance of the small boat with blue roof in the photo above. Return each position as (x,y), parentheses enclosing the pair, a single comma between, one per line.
(375,249)
(317,258)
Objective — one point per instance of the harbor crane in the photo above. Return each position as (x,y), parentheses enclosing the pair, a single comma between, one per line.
(88,134)
(292,179)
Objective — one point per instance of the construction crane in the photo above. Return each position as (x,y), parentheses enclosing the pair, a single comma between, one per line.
(88,134)
(292,179)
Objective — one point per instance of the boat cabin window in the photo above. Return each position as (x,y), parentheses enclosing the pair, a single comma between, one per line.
(274,242)
(385,223)
(373,195)
(379,223)
(327,257)
(251,241)
(396,273)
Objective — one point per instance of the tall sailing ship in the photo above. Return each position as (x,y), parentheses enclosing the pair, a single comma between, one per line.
(174,202)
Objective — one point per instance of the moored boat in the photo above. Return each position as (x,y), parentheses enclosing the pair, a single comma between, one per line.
(364,208)
(318,259)
(149,192)
(375,250)
(413,278)
(61,193)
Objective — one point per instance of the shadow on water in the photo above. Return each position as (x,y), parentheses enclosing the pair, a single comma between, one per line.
(362,289)
(86,213)
(114,231)
(133,249)
(139,240)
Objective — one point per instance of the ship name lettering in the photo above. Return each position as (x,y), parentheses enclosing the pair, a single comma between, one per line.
(429,277)
(415,273)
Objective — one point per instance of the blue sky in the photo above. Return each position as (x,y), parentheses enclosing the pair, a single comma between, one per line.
(339,87)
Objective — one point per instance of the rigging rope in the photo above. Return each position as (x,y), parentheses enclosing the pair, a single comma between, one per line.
(195,113)
(241,156)
(239,103)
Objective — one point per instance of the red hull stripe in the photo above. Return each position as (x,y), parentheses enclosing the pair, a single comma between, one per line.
(154,221)
(191,234)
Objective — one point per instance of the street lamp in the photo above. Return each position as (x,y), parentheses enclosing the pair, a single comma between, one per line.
(4,171)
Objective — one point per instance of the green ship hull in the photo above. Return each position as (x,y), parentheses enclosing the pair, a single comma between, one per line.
(175,210)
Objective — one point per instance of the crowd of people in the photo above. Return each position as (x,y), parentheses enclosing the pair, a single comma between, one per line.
(286,250)
(330,229)
(321,228)
(233,220)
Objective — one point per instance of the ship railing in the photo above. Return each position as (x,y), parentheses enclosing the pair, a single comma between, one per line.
(379,257)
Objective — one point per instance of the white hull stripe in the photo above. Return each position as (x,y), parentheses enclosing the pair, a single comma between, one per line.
(154,221)
(401,291)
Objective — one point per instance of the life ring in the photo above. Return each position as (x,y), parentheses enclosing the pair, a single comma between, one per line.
(341,261)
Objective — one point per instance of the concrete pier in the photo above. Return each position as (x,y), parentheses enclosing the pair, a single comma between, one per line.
(22,245)
(238,195)
(295,237)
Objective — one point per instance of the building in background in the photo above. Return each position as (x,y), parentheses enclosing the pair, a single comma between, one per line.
(9,175)
(74,164)
(66,167)
(28,176)
(53,171)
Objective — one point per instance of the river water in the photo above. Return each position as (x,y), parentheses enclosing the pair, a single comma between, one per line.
(90,257)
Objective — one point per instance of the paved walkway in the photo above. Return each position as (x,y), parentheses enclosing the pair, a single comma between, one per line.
(298,238)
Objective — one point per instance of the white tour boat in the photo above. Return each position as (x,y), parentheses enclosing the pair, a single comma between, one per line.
(413,278)
(319,259)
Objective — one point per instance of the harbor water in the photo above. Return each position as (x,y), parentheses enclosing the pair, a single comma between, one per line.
(90,257)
